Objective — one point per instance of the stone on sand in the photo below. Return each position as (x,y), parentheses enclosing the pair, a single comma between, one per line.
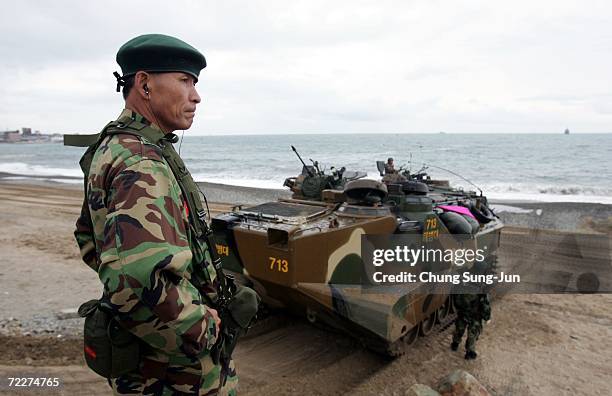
(420,390)
(67,313)
(461,383)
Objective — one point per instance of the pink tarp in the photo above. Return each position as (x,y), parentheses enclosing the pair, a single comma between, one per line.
(457,209)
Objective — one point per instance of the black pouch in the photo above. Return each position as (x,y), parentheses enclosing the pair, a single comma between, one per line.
(235,322)
(109,349)
(244,306)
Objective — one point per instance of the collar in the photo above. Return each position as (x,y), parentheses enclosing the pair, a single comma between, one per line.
(131,115)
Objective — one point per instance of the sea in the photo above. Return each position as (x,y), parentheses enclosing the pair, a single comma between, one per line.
(524,167)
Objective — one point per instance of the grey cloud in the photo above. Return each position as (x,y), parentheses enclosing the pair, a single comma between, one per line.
(272,66)
(34,33)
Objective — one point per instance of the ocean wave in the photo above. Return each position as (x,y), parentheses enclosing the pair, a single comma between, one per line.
(527,197)
(528,188)
(575,190)
(570,192)
(499,208)
(255,183)
(20,168)
(46,179)
(539,193)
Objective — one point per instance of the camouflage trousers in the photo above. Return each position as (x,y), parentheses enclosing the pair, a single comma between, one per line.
(474,327)
(154,378)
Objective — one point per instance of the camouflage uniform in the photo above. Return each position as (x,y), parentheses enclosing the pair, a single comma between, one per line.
(143,250)
(472,309)
(389,169)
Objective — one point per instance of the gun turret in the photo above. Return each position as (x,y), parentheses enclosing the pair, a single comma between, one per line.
(316,166)
(302,161)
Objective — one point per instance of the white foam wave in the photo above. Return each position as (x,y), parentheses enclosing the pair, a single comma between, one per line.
(256,183)
(498,208)
(542,193)
(27,178)
(20,168)
(502,191)
(496,191)
(526,197)
(530,188)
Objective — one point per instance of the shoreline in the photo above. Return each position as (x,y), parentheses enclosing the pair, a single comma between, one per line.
(247,195)
(565,216)
(215,192)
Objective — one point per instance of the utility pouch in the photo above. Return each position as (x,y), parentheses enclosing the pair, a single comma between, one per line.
(109,349)
(235,321)
(243,306)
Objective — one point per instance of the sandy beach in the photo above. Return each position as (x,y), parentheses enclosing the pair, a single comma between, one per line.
(535,344)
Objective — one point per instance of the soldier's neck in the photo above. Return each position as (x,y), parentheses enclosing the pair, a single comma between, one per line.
(145,110)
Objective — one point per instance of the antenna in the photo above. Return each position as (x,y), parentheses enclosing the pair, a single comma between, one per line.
(456,174)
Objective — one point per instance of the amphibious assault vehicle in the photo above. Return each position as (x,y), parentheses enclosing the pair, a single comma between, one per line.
(305,254)
(313,180)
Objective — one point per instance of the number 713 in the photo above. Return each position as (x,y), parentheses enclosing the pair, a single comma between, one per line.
(279,264)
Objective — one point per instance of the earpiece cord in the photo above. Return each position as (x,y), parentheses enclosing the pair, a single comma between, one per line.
(181,143)
(179,152)
(155,117)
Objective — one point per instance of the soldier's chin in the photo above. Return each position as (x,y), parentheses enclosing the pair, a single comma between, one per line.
(185,124)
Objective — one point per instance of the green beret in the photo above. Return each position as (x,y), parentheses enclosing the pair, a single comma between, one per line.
(159,53)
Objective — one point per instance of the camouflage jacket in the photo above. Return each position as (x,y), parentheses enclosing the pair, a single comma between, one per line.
(389,169)
(139,242)
(473,306)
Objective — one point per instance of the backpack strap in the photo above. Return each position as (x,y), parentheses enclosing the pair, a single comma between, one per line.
(129,125)
(188,187)
(80,140)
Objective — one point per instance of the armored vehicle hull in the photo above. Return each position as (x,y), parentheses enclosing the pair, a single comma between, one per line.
(305,256)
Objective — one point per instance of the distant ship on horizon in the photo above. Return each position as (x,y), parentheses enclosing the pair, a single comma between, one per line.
(566,131)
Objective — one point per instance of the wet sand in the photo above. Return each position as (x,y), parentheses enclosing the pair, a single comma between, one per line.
(236,195)
(535,344)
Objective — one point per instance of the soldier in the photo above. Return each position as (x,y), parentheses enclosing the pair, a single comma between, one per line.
(389,167)
(472,309)
(392,175)
(137,231)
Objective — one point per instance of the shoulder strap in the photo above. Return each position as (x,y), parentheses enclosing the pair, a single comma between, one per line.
(80,140)
(177,166)
(127,125)
(197,213)
(188,187)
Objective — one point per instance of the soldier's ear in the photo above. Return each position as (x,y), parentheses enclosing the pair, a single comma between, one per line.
(140,81)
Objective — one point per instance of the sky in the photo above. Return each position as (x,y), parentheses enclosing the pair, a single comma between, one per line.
(277,67)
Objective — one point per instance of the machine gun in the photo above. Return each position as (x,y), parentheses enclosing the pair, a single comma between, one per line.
(313,180)
(306,167)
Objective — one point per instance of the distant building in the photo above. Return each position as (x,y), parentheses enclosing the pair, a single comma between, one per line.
(26,136)
(10,136)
